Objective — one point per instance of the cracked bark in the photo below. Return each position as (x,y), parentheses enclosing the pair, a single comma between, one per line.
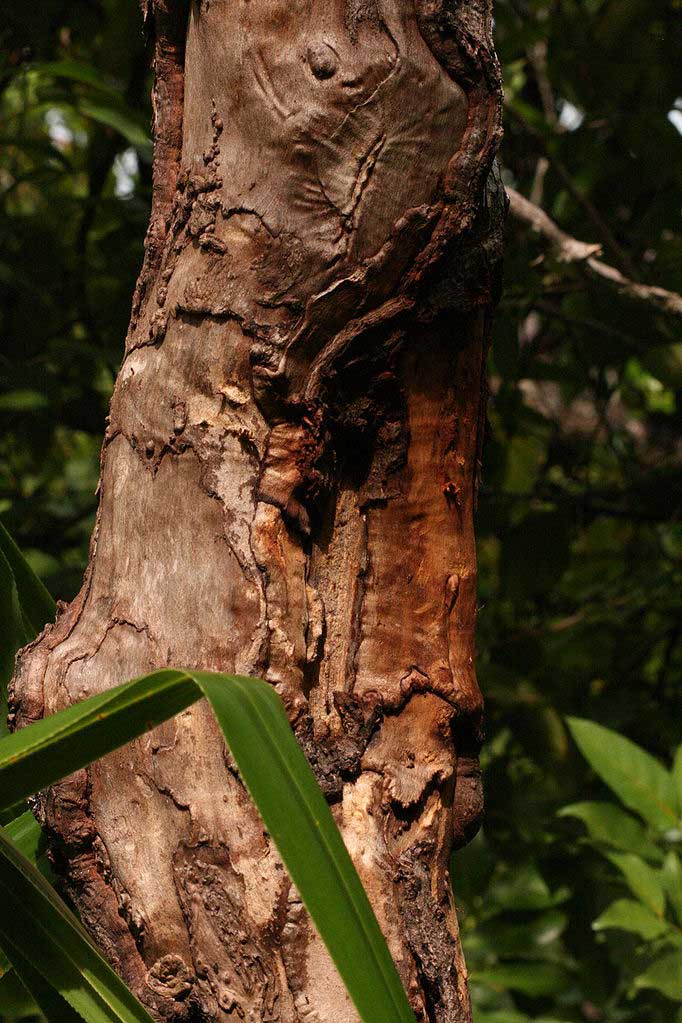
(287,490)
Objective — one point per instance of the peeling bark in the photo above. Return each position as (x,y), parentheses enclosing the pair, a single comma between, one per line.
(287,490)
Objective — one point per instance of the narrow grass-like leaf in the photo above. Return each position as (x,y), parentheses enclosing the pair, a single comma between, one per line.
(25,832)
(42,753)
(36,926)
(15,1002)
(637,778)
(281,783)
(27,836)
(49,1001)
(296,814)
(36,603)
(15,633)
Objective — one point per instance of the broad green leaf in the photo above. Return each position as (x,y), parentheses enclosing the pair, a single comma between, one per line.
(645,882)
(280,781)
(628,915)
(36,927)
(22,401)
(524,888)
(672,883)
(37,605)
(534,938)
(665,975)
(78,71)
(637,778)
(608,824)
(510,1016)
(534,979)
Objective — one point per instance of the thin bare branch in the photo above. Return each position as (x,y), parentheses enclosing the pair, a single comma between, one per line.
(570,250)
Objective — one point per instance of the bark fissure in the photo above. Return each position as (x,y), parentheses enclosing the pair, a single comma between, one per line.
(287,489)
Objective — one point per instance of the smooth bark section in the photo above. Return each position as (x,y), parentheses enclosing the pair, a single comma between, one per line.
(287,490)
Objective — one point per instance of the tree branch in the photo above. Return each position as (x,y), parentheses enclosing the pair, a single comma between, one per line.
(570,250)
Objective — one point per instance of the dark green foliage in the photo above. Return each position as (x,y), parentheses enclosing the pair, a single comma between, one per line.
(579,510)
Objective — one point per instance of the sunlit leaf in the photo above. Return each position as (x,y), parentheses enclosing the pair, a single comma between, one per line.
(664,975)
(609,825)
(645,882)
(672,883)
(629,915)
(637,778)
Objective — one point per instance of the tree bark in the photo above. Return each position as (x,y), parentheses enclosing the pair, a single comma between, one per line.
(287,490)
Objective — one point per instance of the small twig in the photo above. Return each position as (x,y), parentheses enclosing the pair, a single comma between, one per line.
(570,250)
(564,175)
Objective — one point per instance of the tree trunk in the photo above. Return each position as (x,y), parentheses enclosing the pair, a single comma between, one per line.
(287,490)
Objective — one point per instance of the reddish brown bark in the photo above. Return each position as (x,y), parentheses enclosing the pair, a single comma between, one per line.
(287,490)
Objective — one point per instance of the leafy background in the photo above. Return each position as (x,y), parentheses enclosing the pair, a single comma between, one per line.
(570,898)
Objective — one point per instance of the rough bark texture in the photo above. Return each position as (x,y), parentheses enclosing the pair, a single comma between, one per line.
(287,490)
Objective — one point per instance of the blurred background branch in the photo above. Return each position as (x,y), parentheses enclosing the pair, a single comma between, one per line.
(570,250)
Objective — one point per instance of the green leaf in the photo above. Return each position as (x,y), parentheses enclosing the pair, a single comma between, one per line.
(15,633)
(296,814)
(55,1008)
(25,832)
(29,839)
(672,883)
(664,975)
(37,928)
(535,938)
(628,915)
(645,882)
(48,750)
(637,778)
(15,1001)
(534,979)
(607,824)
(22,401)
(77,71)
(280,781)
(677,776)
(523,888)
(37,605)
(115,115)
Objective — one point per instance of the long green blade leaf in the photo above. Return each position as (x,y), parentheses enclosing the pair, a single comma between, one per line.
(25,833)
(49,1001)
(48,750)
(36,926)
(27,836)
(296,814)
(280,781)
(36,603)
